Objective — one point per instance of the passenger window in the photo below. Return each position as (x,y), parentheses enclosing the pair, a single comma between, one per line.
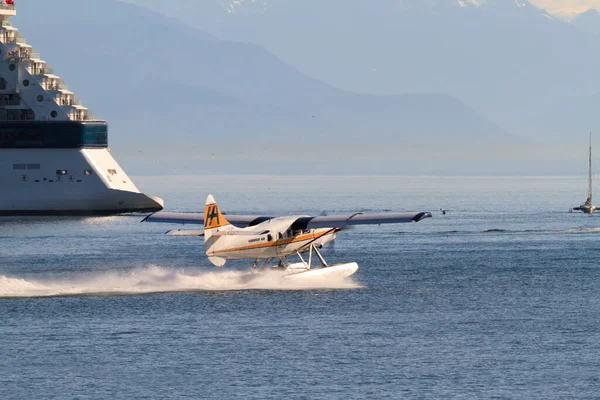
(61,172)
(33,166)
(19,166)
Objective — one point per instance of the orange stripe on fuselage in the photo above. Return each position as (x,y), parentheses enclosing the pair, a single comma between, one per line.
(299,238)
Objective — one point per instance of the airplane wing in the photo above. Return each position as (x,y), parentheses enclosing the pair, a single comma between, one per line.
(334,221)
(340,221)
(241,221)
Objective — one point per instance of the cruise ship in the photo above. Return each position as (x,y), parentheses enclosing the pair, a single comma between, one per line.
(54,155)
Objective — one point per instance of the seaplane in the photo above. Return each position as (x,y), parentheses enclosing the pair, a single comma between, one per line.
(267,238)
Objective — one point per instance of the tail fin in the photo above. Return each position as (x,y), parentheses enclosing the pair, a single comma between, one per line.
(213,220)
(212,215)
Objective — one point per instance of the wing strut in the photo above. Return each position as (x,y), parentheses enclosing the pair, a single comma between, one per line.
(354,215)
(308,264)
(319,237)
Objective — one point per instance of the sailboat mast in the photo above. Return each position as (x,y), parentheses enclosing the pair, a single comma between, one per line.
(590,171)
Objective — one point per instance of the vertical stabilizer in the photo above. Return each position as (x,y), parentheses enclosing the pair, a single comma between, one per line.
(213,218)
(214,221)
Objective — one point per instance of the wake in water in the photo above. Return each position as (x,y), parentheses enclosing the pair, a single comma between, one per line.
(154,279)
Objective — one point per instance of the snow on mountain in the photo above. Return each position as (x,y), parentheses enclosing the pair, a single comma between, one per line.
(467,3)
(491,3)
(235,6)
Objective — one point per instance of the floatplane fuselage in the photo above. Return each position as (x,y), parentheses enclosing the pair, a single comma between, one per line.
(274,239)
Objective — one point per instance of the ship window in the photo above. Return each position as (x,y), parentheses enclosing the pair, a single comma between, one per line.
(53,114)
(94,135)
(68,134)
(12,99)
(26,82)
(12,115)
(19,166)
(87,172)
(12,67)
(20,138)
(61,172)
(112,171)
(2,84)
(33,166)
(40,98)
(27,115)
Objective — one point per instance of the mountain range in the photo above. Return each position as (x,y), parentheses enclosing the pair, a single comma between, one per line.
(589,21)
(512,62)
(168,87)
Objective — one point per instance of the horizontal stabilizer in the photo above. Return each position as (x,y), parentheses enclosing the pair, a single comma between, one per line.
(181,232)
(218,261)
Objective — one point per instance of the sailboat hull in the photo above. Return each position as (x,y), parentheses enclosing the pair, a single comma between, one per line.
(585,209)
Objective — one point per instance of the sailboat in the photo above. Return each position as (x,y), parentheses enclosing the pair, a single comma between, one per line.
(588,207)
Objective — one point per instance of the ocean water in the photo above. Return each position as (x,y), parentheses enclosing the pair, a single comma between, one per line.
(499,298)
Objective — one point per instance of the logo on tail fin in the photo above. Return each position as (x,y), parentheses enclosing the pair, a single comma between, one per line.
(213,218)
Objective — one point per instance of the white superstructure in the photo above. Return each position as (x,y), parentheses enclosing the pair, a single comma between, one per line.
(54,156)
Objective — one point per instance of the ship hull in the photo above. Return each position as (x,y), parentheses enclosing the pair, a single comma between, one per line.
(68,182)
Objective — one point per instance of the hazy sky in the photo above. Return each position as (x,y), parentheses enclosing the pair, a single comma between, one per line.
(567,7)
